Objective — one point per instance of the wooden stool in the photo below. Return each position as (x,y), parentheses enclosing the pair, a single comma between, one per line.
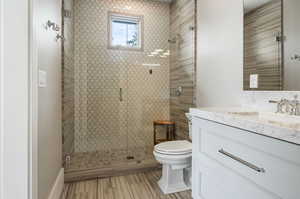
(170,130)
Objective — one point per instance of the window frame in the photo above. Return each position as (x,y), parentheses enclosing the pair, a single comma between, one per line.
(124,16)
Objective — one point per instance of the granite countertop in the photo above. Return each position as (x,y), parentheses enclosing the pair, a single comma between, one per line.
(252,121)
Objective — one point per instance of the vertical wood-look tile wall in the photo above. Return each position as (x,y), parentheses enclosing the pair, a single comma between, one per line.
(262,51)
(182,62)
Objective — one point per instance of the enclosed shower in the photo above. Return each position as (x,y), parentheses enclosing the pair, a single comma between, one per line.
(120,73)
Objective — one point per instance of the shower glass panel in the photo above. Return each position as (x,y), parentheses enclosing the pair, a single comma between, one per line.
(148,100)
(68,99)
(117,96)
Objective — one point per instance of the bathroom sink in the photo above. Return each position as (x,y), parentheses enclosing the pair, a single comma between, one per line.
(243,113)
(272,118)
(281,118)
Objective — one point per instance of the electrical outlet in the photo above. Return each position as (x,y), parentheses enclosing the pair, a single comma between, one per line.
(254,81)
(42,79)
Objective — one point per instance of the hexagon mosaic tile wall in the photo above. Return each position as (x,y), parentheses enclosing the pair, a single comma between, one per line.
(102,121)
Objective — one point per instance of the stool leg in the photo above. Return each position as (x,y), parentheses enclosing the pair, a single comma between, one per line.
(168,132)
(174,131)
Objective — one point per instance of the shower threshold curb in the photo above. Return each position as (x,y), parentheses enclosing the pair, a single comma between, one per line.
(117,170)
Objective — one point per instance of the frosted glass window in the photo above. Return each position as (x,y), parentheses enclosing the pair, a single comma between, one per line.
(125,32)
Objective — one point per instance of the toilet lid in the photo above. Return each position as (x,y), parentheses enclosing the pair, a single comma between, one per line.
(174,147)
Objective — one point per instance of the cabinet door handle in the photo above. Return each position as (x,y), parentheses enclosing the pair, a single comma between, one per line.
(244,162)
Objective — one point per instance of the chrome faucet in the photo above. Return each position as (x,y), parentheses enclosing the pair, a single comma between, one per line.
(295,106)
(288,106)
(280,105)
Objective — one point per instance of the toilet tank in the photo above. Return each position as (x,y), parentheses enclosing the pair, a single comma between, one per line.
(189,119)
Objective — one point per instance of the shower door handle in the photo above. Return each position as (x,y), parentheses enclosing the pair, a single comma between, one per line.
(121,95)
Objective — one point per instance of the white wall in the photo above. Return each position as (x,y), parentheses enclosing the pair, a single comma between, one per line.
(14,81)
(219,52)
(49,98)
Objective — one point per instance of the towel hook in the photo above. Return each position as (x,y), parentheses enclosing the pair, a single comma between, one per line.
(58,37)
(54,26)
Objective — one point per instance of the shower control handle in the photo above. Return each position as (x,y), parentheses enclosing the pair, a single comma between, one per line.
(121,95)
(296,57)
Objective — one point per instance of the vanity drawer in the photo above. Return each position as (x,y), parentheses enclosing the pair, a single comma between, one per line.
(213,181)
(271,165)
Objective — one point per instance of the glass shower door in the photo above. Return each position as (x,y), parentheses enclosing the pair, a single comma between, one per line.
(107,108)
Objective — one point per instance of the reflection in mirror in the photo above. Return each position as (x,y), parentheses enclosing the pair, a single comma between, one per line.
(271,45)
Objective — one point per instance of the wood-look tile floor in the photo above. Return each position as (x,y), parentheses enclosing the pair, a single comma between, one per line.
(136,186)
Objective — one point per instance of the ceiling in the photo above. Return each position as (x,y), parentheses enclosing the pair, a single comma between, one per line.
(250,5)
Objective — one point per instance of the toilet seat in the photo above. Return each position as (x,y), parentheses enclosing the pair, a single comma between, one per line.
(180,147)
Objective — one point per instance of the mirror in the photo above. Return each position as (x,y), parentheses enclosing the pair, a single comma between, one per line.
(271,45)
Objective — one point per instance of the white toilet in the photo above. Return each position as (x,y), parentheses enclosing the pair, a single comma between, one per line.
(176,159)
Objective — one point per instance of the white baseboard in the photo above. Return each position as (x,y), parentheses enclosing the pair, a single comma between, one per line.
(58,186)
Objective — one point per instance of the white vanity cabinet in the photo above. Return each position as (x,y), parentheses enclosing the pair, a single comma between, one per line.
(232,163)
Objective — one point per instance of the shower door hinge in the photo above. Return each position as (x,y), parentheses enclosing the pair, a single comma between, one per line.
(67,158)
(279,37)
(67,13)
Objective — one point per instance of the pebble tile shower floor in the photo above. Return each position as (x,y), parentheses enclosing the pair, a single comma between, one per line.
(88,165)
(99,159)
